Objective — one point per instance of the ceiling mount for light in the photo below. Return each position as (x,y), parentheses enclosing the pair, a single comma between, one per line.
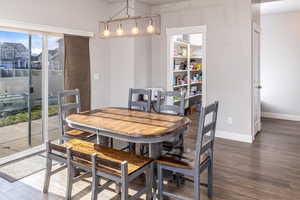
(129,25)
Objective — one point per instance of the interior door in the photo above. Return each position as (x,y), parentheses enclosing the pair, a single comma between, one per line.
(256,82)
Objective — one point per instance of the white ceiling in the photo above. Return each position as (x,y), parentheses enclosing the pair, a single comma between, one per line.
(280,6)
(151,2)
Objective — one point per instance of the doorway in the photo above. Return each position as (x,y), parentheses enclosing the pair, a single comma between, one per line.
(186,65)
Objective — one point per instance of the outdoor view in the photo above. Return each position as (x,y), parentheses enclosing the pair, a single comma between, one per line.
(21,89)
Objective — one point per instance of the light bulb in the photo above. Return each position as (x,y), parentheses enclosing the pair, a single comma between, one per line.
(106,32)
(150,27)
(120,30)
(135,30)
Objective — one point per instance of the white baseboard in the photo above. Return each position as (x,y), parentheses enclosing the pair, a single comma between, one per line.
(234,136)
(281,116)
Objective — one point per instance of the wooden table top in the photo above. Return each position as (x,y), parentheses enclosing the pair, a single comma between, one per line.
(130,122)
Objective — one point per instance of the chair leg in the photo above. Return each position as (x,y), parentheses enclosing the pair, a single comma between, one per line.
(47,175)
(70,177)
(160,181)
(210,180)
(197,186)
(124,191)
(95,183)
(149,181)
(118,188)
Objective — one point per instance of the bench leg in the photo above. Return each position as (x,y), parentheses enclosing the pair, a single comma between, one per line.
(47,175)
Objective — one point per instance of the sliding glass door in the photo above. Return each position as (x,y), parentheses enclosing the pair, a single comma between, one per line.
(24,74)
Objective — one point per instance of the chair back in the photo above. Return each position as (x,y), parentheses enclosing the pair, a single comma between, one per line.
(162,98)
(94,162)
(144,105)
(207,128)
(67,108)
(55,149)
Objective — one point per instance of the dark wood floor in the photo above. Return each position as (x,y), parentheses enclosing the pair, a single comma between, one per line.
(269,169)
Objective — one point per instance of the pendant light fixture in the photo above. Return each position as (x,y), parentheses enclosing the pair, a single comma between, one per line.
(120,26)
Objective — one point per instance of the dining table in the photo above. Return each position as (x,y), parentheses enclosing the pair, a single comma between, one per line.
(131,126)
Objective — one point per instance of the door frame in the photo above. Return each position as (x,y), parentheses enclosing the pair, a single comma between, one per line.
(255,29)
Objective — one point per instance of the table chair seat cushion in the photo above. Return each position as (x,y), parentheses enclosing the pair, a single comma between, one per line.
(184,163)
(73,133)
(135,162)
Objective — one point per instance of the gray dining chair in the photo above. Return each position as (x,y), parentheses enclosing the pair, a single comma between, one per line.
(136,100)
(112,165)
(67,133)
(176,108)
(58,153)
(162,106)
(203,158)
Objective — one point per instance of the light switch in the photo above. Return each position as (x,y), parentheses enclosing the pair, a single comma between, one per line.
(96,76)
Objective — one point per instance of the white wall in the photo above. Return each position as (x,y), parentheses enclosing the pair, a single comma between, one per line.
(280,63)
(228,56)
(129,61)
(73,14)
(143,58)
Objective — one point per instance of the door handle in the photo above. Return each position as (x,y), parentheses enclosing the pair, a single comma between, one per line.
(259,87)
(31,90)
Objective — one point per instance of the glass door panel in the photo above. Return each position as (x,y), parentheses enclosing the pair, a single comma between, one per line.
(20,92)
(56,81)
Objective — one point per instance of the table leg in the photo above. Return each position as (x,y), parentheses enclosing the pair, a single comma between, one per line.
(132,147)
(102,140)
(155,150)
